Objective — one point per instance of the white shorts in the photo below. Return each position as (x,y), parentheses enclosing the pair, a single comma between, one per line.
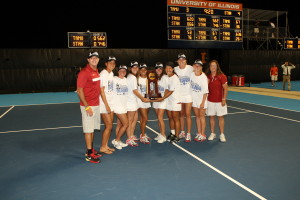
(132,106)
(103,108)
(90,123)
(196,104)
(120,109)
(186,99)
(173,106)
(214,109)
(274,77)
(143,104)
(160,105)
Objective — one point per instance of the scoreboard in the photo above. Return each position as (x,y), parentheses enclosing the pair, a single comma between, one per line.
(204,24)
(87,40)
(291,43)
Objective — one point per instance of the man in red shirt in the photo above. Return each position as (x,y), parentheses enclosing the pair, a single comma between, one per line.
(88,90)
(216,104)
(274,74)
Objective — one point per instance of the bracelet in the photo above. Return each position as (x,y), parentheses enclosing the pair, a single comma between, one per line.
(223,99)
(87,108)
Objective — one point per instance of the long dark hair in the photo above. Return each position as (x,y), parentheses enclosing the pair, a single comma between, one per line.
(219,71)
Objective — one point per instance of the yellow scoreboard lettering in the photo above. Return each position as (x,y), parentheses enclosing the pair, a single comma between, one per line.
(87,40)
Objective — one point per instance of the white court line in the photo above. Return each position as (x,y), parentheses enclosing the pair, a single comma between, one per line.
(41,129)
(215,169)
(6,112)
(261,113)
(264,105)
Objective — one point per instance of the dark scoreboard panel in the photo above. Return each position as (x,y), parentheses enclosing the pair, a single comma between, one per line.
(204,24)
(291,43)
(87,40)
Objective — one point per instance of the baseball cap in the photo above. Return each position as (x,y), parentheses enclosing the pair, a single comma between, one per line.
(181,56)
(143,65)
(122,67)
(169,63)
(91,54)
(134,63)
(158,65)
(198,61)
(110,58)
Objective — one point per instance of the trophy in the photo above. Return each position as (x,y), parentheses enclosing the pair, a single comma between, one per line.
(152,86)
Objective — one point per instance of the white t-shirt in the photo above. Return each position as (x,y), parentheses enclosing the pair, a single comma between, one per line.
(173,85)
(142,87)
(199,86)
(106,81)
(185,79)
(132,98)
(120,94)
(162,86)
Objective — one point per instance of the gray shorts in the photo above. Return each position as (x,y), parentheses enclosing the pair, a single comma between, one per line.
(90,123)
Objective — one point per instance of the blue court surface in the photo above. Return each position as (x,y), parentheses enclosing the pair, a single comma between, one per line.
(42,155)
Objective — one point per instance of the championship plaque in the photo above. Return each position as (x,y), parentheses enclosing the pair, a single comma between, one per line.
(152,86)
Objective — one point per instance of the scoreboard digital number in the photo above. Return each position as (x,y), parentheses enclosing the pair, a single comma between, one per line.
(204,24)
(291,43)
(87,40)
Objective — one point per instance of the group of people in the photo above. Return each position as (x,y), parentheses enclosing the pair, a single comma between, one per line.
(286,72)
(183,88)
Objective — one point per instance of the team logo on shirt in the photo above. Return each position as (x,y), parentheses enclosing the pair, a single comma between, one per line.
(195,87)
(121,89)
(184,80)
(110,86)
(143,89)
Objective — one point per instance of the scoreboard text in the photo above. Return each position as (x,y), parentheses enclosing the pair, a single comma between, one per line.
(204,24)
(87,40)
(291,43)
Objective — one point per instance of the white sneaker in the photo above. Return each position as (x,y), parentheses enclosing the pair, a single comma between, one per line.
(157,137)
(144,139)
(116,144)
(212,136)
(122,144)
(188,137)
(222,137)
(182,134)
(200,138)
(162,139)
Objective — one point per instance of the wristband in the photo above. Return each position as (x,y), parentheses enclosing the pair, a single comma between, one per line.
(87,108)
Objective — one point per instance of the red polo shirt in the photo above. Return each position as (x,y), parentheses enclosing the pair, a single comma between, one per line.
(215,87)
(89,80)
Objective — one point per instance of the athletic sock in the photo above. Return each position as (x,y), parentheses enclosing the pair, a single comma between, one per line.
(90,151)
(173,132)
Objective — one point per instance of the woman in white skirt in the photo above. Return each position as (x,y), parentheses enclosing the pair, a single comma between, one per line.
(120,94)
(199,85)
(106,102)
(172,95)
(144,103)
(161,105)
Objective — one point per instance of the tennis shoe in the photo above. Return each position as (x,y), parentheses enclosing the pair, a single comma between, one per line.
(182,134)
(170,137)
(162,139)
(144,139)
(116,144)
(222,137)
(200,138)
(96,153)
(212,136)
(175,139)
(92,158)
(188,137)
(158,137)
(134,138)
(122,144)
(131,143)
